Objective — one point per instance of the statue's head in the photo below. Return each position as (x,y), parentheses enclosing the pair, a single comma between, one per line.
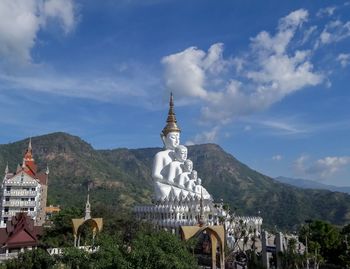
(181,153)
(188,165)
(171,140)
(194,175)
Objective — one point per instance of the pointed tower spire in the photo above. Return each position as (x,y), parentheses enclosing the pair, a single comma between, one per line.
(28,160)
(7,168)
(171,122)
(87,206)
(201,221)
(30,144)
(18,168)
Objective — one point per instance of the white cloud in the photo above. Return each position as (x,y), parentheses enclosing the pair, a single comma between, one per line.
(21,22)
(186,71)
(308,34)
(210,136)
(327,11)
(321,168)
(299,164)
(270,72)
(283,126)
(102,88)
(277,157)
(333,32)
(62,10)
(344,59)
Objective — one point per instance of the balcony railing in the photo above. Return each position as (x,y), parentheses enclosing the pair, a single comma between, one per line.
(19,203)
(9,214)
(20,193)
(21,183)
(12,213)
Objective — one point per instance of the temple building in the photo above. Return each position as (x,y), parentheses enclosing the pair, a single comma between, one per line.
(19,235)
(24,191)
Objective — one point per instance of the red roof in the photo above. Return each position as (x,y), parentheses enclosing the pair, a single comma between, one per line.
(20,232)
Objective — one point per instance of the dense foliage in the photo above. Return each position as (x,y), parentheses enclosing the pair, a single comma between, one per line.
(327,244)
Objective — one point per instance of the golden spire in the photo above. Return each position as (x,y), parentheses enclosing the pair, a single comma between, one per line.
(171,121)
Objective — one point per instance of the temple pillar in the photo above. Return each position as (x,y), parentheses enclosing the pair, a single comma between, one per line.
(222,256)
(214,243)
(265,255)
(279,248)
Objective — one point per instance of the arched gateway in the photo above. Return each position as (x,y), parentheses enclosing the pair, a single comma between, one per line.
(95,224)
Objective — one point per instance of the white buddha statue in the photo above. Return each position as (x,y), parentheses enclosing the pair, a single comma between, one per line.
(172,172)
(171,139)
(174,169)
(184,177)
(170,136)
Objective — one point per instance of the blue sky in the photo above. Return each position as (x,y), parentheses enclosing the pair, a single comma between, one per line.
(266,80)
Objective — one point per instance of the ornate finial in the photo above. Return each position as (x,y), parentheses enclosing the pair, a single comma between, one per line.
(7,168)
(171,125)
(30,144)
(87,206)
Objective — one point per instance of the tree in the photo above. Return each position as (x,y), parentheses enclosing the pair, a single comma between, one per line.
(111,253)
(164,250)
(291,258)
(60,233)
(324,241)
(76,258)
(345,254)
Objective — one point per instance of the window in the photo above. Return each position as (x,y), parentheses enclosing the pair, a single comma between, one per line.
(33,189)
(8,188)
(31,209)
(6,209)
(32,199)
(5,219)
(7,198)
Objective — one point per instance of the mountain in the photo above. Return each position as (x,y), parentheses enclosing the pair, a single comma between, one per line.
(122,178)
(310,184)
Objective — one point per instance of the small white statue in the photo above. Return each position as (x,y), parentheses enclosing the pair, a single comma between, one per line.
(191,183)
(184,177)
(175,167)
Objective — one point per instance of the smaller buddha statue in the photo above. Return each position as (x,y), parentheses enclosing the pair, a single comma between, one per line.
(175,167)
(191,183)
(184,177)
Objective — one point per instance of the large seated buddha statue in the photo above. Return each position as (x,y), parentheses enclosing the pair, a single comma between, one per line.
(171,169)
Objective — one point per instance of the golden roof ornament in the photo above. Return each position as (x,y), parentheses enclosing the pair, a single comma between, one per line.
(171,121)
